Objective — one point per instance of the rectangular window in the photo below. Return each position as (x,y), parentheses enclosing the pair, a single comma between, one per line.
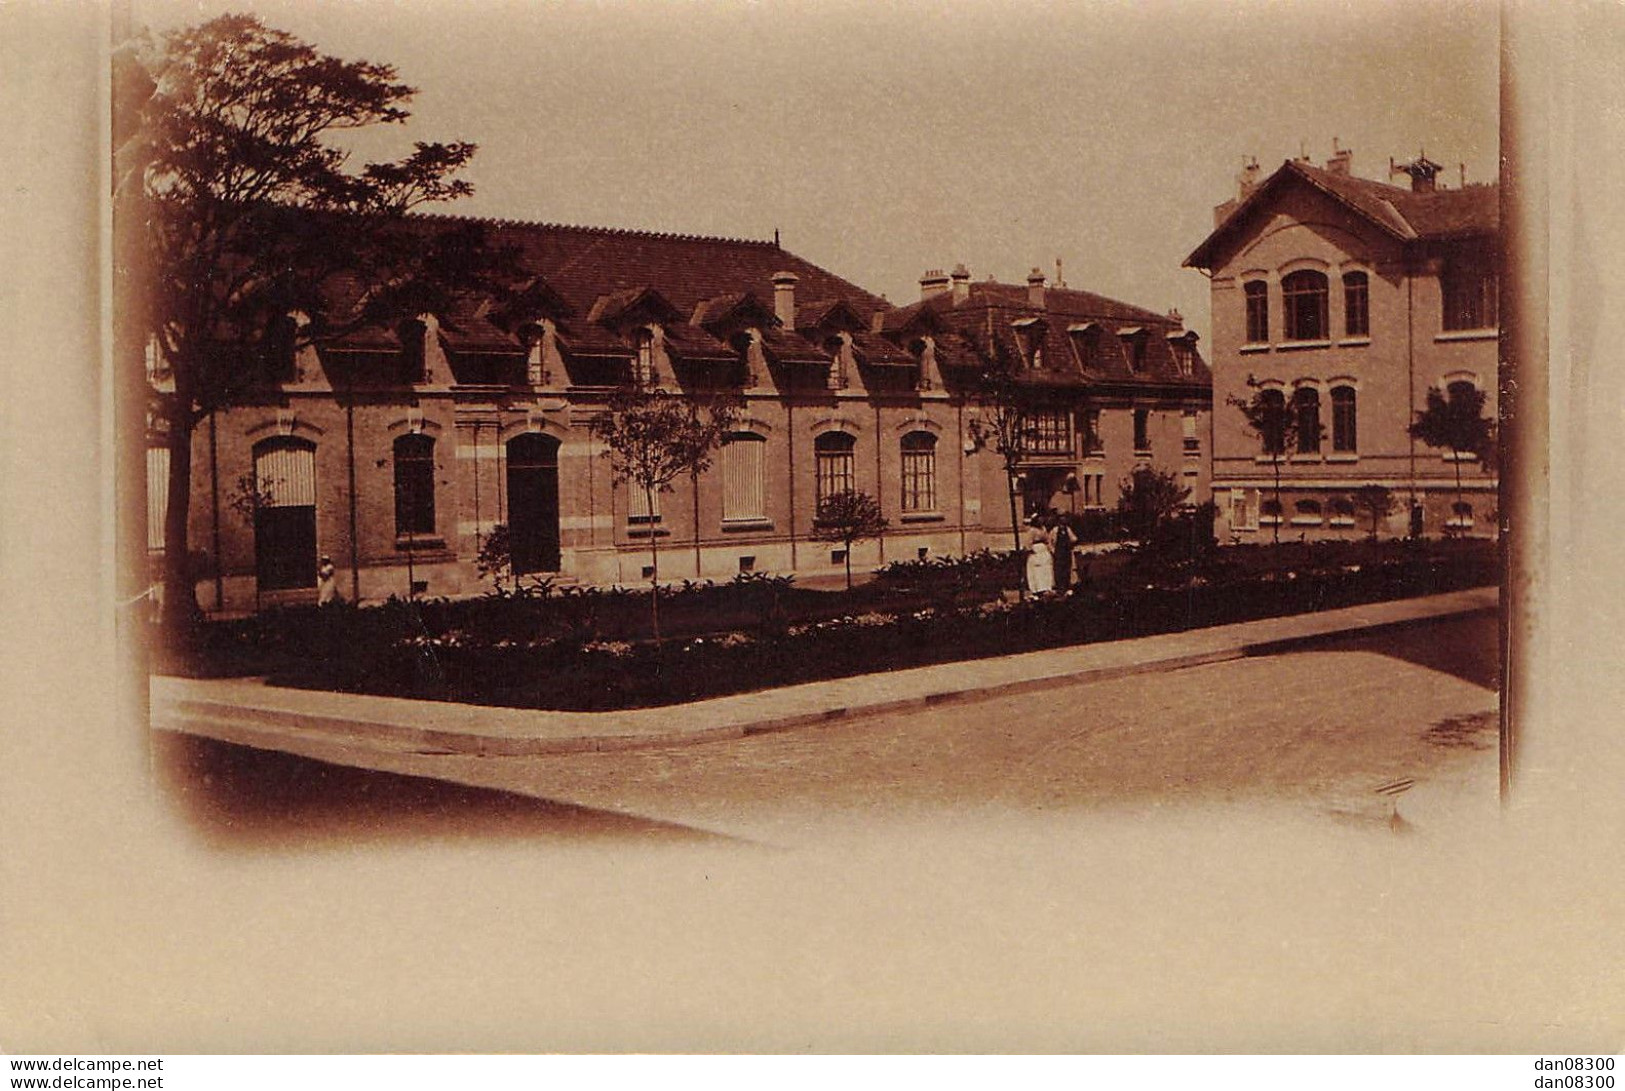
(1092,443)
(414,485)
(1142,430)
(1258,312)
(1188,421)
(919,472)
(1344,423)
(1469,298)
(1356,305)
(835,473)
(744,467)
(641,507)
(1244,509)
(157,496)
(1046,432)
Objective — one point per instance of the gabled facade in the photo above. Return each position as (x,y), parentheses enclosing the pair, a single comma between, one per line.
(399,452)
(1347,299)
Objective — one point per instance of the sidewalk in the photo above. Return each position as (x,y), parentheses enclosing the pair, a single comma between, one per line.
(248,711)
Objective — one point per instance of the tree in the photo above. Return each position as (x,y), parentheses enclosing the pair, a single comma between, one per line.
(1454,420)
(1278,429)
(1003,425)
(848,517)
(1376,501)
(1149,497)
(651,438)
(249,214)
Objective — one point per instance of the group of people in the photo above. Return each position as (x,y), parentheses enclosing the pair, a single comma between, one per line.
(1050,543)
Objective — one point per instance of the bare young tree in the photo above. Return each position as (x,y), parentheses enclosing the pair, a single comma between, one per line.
(651,438)
(246,211)
(848,517)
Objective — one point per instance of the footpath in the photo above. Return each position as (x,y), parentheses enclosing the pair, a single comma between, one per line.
(249,712)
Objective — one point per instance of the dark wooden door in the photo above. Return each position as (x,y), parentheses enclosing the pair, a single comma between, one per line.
(533,503)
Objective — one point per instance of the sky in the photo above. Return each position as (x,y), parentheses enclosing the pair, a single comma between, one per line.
(885,139)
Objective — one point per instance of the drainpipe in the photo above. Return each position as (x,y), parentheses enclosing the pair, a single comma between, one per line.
(349,451)
(790,428)
(880,485)
(214,500)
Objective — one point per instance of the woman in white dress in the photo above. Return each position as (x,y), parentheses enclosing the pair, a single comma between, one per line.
(1040,562)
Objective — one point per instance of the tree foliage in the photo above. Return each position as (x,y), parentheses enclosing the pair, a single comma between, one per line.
(1376,501)
(1268,418)
(1454,421)
(251,212)
(1003,424)
(1148,498)
(848,517)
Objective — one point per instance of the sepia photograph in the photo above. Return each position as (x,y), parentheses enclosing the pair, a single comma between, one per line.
(986,527)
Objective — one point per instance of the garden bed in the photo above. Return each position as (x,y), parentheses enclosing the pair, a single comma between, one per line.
(590,649)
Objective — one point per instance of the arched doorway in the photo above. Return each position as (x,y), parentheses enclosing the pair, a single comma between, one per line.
(285,513)
(533,503)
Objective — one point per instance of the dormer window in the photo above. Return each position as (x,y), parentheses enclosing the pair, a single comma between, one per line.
(922,375)
(643,363)
(1134,340)
(1030,335)
(413,336)
(281,357)
(1184,355)
(533,336)
(836,348)
(1085,338)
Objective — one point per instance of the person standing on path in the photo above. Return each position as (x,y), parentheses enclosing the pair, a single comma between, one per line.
(1040,562)
(1063,555)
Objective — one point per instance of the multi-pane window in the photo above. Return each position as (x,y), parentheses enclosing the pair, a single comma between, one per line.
(1306,414)
(1345,435)
(744,475)
(1469,297)
(1142,430)
(1303,302)
(642,506)
(835,464)
(919,472)
(1258,312)
(1182,357)
(1188,421)
(1356,305)
(1272,426)
(414,485)
(1046,432)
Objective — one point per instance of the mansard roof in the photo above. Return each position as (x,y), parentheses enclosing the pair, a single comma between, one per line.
(1082,336)
(1397,211)
(594,273)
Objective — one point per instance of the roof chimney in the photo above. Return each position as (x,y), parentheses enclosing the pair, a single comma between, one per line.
(1422,170)
(1035,287)
(1341,161)
(961,279)
(784,298)
(934,283)
(1247,180)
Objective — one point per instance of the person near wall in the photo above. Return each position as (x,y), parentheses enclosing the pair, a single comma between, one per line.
(1040,561)
(327,583)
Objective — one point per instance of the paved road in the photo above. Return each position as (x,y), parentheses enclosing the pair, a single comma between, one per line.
(1314,729)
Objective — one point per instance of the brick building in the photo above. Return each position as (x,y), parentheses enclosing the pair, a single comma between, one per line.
(396,452)
(1347,299)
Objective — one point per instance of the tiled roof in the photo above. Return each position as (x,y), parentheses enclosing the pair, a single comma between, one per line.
(584,267)
(1403,214)
(984,327)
